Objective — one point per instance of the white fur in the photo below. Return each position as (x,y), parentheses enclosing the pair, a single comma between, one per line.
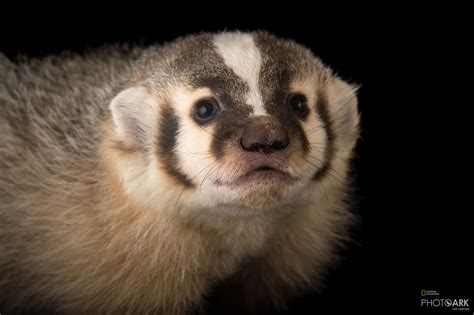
(140,180)
(313,128)
(242,55)
(341,97)
(133,106)
(193,149)
(193,142)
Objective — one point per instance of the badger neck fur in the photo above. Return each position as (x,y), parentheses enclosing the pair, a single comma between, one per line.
(141,180)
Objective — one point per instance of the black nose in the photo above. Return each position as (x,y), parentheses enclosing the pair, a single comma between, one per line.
(264,135)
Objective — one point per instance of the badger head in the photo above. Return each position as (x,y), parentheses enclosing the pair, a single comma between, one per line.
(232,124)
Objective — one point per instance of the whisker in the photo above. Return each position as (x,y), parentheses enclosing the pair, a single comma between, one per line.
(331,170)
(214,165)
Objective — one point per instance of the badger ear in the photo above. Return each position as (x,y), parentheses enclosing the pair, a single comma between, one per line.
(344,114)
(134,114)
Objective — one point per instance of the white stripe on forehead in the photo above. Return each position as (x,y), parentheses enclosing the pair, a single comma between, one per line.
(242,55)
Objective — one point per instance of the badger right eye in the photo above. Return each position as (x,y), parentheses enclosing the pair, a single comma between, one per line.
(205,110)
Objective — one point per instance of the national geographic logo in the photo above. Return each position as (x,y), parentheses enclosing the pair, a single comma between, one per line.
(429,292)
(454,304)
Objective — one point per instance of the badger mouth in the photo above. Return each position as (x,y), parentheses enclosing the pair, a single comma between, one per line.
(265,170)
(260,176)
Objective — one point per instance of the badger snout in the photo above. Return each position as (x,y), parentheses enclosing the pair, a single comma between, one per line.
(264,135)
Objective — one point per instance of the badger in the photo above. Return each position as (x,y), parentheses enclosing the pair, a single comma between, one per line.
(145,179)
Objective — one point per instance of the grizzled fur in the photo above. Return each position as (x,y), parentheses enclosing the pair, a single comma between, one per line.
(103,211)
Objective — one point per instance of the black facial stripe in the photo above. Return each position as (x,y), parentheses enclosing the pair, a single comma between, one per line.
(281,63)
(302,137)
(230,125)
(230,90)
(323,112)
(166,144)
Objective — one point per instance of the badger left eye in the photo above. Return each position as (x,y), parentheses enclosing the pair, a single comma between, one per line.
(298,104)
(205,110)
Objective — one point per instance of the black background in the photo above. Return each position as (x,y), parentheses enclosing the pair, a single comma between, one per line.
(414,154)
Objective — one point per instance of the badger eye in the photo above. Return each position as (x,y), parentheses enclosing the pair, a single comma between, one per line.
(298,104)
(205,110)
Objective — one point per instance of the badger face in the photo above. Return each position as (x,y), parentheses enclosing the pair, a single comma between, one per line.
(240,121)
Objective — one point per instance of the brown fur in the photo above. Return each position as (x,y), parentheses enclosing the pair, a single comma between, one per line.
(71,239)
